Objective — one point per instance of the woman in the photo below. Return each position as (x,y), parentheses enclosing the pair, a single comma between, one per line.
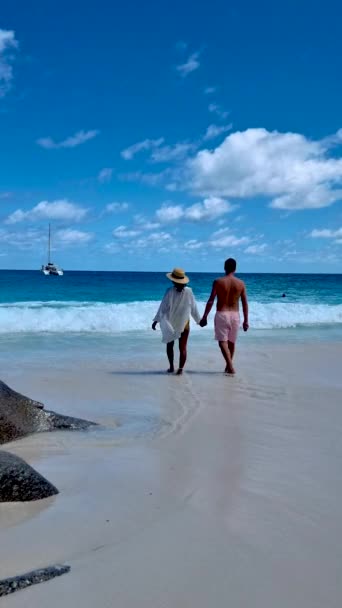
(174,317)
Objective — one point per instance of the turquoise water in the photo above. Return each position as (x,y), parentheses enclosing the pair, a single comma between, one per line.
(116,303)
(120,287)
(101,321)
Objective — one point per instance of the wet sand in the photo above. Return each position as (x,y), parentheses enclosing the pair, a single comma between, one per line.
(212,491)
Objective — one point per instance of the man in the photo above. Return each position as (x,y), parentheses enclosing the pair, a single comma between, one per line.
(228,290)
(174,317)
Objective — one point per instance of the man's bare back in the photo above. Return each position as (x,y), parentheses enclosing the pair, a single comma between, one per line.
(229,290)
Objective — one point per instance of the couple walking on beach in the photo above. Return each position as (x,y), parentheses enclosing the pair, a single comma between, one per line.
(179,304)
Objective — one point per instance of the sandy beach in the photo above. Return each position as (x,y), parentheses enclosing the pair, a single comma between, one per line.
(229,495)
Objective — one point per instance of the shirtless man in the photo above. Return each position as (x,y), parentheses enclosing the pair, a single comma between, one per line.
(228,290)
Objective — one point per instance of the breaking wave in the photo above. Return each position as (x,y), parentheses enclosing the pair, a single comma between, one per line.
(99,317)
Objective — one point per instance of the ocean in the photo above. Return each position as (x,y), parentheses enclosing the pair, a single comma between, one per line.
(124,303)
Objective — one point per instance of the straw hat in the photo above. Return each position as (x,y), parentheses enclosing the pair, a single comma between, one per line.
(178,276)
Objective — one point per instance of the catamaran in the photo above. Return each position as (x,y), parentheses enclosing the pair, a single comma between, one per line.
(51,268)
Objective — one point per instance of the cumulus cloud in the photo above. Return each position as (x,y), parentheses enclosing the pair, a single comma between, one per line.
(216,130)
(73,237)
(24,240)
(117,207)
(326,233)
(256,249)
(8,44)
(145,224)
(170,213)
(154,240)
(146,144)
(122,232)
(209,209)
(230,240)
(79,138)
(192,64)
(319,196)
(105,175)
(45,210)
(290,169)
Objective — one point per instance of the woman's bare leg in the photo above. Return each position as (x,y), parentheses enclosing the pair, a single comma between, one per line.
(183,341)
(170,356)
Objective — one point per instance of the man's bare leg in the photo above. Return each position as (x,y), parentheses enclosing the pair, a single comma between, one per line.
(227,357)
(170,356)
(231,346)
(183,341)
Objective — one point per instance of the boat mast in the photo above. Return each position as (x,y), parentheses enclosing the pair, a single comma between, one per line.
(49,260)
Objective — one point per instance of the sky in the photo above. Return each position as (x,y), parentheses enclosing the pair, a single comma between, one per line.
(160,134)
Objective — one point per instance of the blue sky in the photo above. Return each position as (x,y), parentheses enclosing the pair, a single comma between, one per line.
(171,133)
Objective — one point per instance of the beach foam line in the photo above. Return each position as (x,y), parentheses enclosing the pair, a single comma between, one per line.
(99,317)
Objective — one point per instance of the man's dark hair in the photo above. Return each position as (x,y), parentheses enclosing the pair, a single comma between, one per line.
(230,265)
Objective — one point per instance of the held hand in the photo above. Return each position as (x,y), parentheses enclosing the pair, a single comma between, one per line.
(245,326)
(203,322)
(154,325)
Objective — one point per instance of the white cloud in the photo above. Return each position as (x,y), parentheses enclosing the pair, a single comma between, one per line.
(326,233)
(320,196)
(215,109)
(150,179)
(230,240)
(192,64)
(112,248)
(8,44)
(24,240)
(256,249)
(73,237)
(117,207)
(170,213)
(45,210)
(210,208)
(192,245)
(105,175)
(293,171)
(122,232)
(216,130)
(146,144)
(70,142)
(209,90)
(174,152)
(144,224)
(154,240)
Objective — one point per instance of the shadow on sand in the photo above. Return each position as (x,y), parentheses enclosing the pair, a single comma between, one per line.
(152,372)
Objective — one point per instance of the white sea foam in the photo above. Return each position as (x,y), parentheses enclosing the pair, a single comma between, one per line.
(67,317)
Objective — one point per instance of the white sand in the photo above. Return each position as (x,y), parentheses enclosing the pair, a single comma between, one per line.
(237,502)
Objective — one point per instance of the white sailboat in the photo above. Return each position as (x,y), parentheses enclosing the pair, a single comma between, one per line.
(51,268)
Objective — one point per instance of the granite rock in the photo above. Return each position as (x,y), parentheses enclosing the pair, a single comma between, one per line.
(10,585)
(21,416)
(19,482)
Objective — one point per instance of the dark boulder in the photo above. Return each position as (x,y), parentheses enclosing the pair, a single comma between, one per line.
(19,482)
(20,416)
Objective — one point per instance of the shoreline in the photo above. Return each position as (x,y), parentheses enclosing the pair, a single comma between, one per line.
(235,498)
